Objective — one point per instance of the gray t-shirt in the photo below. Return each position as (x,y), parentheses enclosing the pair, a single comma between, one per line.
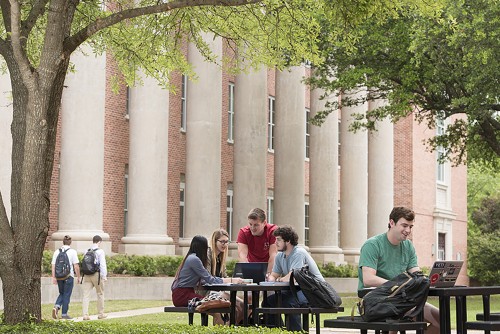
(298,257)
(192,272)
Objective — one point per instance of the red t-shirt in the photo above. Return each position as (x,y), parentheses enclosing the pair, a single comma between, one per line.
(258,246)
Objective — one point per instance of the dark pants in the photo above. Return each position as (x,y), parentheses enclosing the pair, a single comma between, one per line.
(288,300)
(65,291)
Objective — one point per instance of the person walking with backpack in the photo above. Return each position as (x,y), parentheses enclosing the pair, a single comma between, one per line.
(94,273)
(289,257)
(389,254)
(64,268)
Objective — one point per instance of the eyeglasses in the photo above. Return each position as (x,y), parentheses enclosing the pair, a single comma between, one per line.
(224,242)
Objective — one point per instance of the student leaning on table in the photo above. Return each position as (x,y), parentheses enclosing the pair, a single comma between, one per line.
(387,255)
(192,273)
(256,240)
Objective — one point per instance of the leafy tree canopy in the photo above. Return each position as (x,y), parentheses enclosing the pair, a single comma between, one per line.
(483,239)
(482,181)
(38,37)
(432,66)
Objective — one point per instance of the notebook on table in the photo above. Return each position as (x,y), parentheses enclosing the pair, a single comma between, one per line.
(444,274)
(251,270)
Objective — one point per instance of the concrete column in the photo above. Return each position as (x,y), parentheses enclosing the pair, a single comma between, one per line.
(82,154)
(148,172)
(380,174)
(324,185)
(203,144)
(289,150)
(353,185)
(250,146)
(5,140)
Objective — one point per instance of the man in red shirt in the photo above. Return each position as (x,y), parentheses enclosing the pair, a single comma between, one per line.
(256,242)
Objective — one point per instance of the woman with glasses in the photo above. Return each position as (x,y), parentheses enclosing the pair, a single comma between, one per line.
(216,265)
(217,253)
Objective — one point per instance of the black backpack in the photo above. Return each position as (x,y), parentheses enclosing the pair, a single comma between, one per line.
(318,293)
(393,299)
(90,264)
(62,266)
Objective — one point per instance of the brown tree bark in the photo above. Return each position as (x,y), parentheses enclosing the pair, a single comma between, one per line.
(35,113)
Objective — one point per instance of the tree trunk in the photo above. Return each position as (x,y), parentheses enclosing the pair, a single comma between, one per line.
(22,297)
(35,114)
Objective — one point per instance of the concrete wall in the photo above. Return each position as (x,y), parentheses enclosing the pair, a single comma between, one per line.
(148,288)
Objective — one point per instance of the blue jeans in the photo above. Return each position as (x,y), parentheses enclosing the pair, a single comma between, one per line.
(287,300)
(65,290)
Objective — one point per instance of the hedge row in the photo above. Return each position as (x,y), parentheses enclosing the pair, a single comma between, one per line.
(50,327)
(164,265)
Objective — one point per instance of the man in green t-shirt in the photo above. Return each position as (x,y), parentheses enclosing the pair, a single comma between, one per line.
(387,255)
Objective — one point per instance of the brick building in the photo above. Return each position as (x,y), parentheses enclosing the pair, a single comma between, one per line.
(148,169)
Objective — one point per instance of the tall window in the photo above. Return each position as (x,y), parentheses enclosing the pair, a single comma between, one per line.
(308,134)
(270,207)
(440,153)
(338,140)
(182,205)
(306,224)
(441,255)
(184,103)
(270,125)
(229,210)
(127,103)
(125,205)
(230,118)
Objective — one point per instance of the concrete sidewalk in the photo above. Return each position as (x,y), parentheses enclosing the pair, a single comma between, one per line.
(152,310)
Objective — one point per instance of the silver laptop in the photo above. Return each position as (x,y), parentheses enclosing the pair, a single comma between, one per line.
(251,270)
(444,274)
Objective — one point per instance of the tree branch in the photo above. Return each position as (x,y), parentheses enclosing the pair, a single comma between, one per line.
(74,41)
(5,6)
(36,11)
(18,53)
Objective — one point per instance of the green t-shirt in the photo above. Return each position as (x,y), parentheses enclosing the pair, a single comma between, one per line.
(389,260)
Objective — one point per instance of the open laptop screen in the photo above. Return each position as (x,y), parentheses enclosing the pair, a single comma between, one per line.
(254,270)
(445,273)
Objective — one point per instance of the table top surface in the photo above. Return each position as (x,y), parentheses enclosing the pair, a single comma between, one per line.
(246,287)
(465,291)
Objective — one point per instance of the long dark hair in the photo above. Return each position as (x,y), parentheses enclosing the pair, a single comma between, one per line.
(199,247)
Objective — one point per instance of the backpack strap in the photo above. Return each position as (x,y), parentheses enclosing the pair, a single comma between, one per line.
(293,288)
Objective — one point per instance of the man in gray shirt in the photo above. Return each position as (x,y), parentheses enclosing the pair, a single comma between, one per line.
(289,257)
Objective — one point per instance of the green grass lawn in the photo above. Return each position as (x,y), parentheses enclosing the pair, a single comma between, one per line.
(474,305)
(75,309)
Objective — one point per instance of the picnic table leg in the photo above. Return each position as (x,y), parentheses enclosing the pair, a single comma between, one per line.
(255,305)
(444,314)
(232,314)
(486,310)
(278,304)
(245,308)
(461,314)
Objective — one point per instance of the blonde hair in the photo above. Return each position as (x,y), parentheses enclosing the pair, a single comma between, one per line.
(213,244)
